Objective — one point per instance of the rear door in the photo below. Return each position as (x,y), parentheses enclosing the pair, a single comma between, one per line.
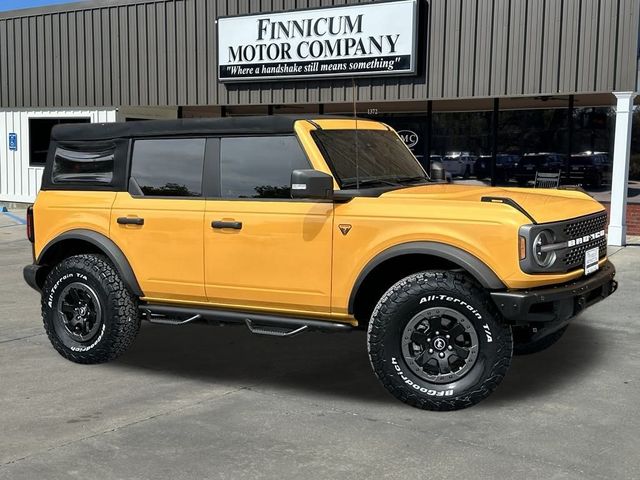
(264,250)
(158,222)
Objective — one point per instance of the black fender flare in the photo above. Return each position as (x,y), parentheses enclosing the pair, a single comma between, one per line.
(106,246)
(476,268)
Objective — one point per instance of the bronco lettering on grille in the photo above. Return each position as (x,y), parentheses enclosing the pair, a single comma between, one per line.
(587,238)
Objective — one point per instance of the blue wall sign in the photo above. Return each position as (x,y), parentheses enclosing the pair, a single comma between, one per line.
(13,142)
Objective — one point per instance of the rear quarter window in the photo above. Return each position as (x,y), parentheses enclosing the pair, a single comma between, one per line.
(72,166)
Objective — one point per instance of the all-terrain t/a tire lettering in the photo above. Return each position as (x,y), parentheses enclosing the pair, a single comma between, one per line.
(88,313)
(458,352)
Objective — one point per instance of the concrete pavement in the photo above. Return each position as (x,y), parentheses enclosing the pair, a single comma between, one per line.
(205,402)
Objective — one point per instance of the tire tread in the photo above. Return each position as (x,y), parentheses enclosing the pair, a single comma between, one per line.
(120,301)
(415,285)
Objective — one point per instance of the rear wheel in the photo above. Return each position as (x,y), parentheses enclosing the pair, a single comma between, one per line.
(88,313)
(436,342)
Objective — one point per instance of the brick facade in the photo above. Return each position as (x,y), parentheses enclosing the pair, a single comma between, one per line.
(633,217)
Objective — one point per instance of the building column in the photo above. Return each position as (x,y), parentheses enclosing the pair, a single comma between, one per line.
(620,172)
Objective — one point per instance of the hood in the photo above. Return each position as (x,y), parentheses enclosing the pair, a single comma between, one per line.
(544,205)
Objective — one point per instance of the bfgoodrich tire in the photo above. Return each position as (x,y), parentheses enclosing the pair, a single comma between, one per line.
(88,313)
(436,342)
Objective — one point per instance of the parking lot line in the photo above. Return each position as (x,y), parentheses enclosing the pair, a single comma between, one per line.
(15,217)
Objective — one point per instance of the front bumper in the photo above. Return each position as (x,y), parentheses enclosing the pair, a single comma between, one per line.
(30,273)
(557,303)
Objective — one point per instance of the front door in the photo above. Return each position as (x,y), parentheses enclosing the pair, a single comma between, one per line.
(264,250)
(158,223)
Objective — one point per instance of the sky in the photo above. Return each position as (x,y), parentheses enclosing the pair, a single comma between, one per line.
(18,4)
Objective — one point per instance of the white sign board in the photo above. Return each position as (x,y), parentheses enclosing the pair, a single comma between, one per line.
(367,39)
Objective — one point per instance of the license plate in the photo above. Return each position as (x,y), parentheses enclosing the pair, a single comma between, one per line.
(591,257)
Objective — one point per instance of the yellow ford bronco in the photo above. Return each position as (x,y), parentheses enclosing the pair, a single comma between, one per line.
(291,224)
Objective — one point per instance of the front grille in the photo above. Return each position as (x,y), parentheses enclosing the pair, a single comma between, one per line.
(580,228)
(573,257)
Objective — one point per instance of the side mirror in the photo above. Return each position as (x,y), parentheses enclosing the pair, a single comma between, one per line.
(437,171)
(311,184)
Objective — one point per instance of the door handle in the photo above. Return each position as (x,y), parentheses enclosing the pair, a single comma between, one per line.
(130,221)
(221,224)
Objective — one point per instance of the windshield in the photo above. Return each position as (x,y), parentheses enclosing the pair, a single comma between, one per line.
(382,158)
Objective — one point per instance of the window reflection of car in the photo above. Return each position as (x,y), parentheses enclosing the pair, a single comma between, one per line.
(505,164)
(530,163)
(592,169)
(460,164)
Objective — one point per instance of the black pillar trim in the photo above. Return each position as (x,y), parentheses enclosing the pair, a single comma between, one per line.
(427,143)
(570,111)
(494,139)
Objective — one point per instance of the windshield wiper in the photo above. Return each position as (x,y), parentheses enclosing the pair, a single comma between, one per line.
(369,182)
(413,179)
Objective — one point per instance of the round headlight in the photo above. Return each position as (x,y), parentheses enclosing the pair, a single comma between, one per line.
(544,259)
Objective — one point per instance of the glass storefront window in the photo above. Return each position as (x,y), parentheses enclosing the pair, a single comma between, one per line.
(462,142)
(634,167)
(531,141)
(533,134)
(592,152)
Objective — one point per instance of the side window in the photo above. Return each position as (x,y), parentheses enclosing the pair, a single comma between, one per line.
(83,166)
(259,167)
(169,167)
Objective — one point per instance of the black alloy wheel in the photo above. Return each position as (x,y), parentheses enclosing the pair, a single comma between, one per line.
(79,312)
(440,345)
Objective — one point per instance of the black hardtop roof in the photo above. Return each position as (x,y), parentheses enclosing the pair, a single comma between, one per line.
(271,124)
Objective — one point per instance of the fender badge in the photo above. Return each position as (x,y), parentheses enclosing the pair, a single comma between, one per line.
(344,228)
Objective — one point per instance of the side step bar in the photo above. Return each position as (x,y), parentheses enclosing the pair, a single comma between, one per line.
(273,331)
(168,321)
(258,323)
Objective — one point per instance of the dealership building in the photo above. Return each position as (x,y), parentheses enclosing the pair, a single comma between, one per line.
(494,82)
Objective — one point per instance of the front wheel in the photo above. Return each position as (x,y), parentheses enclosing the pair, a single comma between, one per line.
(88,313)
(436,342)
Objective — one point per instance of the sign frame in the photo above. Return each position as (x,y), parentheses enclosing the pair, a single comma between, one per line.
(412,71)
(12,140)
